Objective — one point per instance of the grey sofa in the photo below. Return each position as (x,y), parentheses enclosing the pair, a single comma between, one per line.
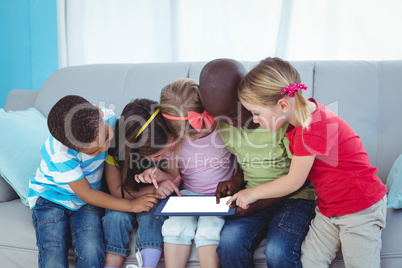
(365,93)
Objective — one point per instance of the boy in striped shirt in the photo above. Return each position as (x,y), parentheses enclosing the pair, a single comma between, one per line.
(65,195)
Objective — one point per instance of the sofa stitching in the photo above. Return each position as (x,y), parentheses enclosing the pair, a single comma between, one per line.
(313,81)
(380,127)
(131,66)
(188,69)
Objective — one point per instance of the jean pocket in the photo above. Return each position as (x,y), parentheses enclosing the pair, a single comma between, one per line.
(93,208)
(296,219)
(46,212)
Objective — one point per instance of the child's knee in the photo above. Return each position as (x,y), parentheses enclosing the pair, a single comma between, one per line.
(90,253)
(179,230)
(118,220)
(208,231)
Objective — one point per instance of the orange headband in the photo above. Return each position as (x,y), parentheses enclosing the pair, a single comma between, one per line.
(195,119)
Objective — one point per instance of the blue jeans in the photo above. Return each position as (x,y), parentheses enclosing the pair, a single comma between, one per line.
(117,228)
(53,225)
(285,225)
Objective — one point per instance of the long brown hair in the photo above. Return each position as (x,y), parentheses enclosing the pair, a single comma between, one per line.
(129,144)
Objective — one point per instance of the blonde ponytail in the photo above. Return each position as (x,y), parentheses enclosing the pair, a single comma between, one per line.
(302,114)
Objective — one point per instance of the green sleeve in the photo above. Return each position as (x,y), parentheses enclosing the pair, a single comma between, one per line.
(227,135)
(285,140)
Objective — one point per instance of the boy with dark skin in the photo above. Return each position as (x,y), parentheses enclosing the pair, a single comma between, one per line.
(219,97)
(218,86)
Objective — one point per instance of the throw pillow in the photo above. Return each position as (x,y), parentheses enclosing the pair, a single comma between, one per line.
(21,136)
(394,184)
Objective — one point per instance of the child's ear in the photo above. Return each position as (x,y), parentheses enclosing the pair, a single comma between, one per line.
(100,111)
(284,105)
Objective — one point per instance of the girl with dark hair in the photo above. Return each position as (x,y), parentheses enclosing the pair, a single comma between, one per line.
(142,139)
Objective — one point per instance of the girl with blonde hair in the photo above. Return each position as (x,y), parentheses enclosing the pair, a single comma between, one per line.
(202,161)
(351,203)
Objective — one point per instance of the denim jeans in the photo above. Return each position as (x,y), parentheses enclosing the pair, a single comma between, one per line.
(53,226)
(285,225)
(117,228)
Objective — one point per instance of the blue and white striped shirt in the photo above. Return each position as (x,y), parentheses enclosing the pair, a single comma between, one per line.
(61,165)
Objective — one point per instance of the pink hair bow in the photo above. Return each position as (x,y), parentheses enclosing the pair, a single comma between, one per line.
(292,88)
(195,119)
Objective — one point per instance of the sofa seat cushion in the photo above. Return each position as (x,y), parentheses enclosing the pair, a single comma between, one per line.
(18,242)
(17,229)
(17,234)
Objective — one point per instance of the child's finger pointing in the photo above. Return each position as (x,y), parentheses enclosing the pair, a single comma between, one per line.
(234,197)
(155,182)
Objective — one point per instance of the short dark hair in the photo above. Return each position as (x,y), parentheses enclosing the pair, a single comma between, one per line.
(74,122)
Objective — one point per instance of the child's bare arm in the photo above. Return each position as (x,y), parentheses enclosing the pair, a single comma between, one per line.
(113,180)
(294,180)
(263,203)
(112,174)
(83,190)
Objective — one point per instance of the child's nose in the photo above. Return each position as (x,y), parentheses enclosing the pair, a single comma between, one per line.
(157,159)
(167,154)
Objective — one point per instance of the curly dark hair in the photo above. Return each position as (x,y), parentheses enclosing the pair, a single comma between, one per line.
(74,122)
(150,141)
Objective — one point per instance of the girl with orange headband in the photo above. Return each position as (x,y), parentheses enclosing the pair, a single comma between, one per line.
(142,139)
(202,161)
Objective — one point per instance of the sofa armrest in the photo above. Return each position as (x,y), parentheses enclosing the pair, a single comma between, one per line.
(6,192)
(20,99)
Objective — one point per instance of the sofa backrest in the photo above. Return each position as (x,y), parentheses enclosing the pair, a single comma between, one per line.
(364,93)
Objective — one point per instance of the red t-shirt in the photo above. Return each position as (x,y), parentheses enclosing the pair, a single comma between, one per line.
(343,179)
